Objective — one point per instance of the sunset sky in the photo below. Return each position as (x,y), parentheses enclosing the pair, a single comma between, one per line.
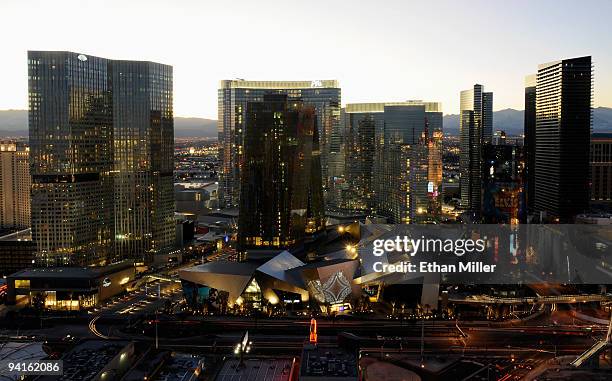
(378,50)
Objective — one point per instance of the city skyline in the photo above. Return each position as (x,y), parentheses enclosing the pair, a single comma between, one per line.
(387,72)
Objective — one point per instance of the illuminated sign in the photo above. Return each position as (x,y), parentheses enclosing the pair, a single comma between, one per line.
(317,83)
(106,282)
(430,187)
(82,57)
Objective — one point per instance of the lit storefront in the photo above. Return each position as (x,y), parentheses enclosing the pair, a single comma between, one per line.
(69,288)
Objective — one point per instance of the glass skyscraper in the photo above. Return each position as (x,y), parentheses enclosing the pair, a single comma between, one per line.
(364,123)
(475,129)
(501,200)
(529,131)
(323,95)
(387,157)
(101,136)
(281,197)
(143,159)
(562,138)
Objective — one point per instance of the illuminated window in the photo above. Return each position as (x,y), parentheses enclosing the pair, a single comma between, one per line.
(22,283)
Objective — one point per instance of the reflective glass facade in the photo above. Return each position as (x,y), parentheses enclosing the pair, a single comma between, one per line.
(529,130)
(388,158)
(361,130)
(101,135)
(475,129)
(281,192)
(70,123)
(143,148)
(234,95)
(501,200)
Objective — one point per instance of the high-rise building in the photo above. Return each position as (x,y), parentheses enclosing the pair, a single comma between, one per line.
(435,175)
(323,95)
(281,197)
(529,141)
(101,135)
(487,117)
(363,124)
(601,168)
(562,138)
(15,185)
(501,199)
(475,127)
(70,124)
(143,160)
(388,155)
(499,138)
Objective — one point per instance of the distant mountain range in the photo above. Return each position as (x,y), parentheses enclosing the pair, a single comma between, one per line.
(15,123)
(511,121)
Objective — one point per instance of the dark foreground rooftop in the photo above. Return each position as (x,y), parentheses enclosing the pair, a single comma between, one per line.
(256,370)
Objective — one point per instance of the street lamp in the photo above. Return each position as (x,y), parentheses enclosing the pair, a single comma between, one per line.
(244,346)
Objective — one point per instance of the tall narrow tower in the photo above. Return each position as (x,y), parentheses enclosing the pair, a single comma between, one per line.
(475,130)
(562,138)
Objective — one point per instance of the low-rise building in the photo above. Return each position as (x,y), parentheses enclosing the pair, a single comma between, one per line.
(69,288)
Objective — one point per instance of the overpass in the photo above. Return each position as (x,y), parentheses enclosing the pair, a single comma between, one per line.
(590,357)
(556,299)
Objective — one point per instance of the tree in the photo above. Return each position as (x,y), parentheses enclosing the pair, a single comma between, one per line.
(38,302)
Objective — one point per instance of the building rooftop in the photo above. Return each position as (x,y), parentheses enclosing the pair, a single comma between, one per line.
(256,370)
(271,85)
(87,359)
(73,272)
(224,267)
(328,363)
(17,351)
(380,107)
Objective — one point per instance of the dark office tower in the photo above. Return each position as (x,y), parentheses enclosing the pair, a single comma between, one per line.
(234,95)
(529,142)
(101,135)
(501,199)
(281,190)
(475,126)
(487,117)
(71,131)
(143,149)
(601,169)
(562,138)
